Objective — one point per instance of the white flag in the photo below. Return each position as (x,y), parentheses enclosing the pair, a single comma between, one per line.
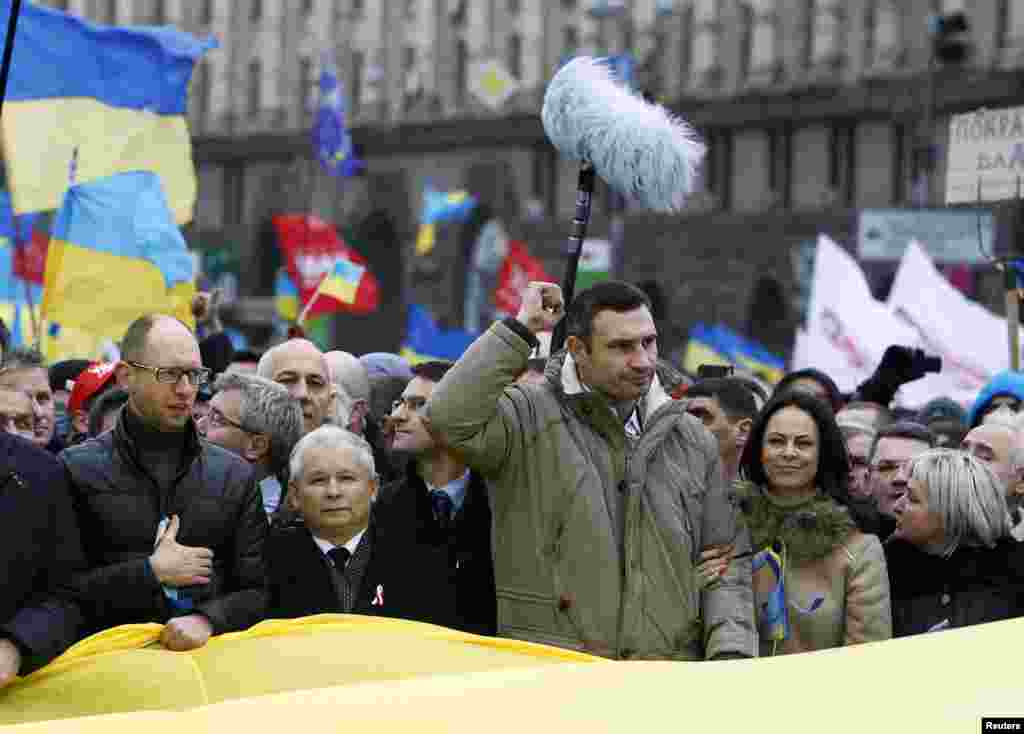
(970,339)
(847,329)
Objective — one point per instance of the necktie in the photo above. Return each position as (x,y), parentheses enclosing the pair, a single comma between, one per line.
(339,557)
(443,507)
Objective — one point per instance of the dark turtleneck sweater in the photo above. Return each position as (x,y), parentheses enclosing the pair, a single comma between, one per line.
(161,453)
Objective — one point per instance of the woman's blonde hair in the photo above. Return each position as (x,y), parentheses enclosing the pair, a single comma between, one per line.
(966,494)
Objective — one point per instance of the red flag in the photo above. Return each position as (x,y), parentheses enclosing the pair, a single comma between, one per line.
(30,257)
(518,269)
(311,248)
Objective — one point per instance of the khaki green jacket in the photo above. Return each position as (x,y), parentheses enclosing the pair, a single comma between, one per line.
(595,536)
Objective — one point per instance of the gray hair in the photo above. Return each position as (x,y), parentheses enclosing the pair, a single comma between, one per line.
(966,494)
(22,359)
(266,408)
(349,374)
(331,437)
(853,428)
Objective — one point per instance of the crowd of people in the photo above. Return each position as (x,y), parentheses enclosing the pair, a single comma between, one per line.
(597,500)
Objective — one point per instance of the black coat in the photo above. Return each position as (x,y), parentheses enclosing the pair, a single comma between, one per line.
(467,545)
(120,507)
(972,586)
(40,549)
(414,579)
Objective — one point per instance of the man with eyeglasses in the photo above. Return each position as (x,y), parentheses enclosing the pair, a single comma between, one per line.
(894,447)
(172,526)
(445,501)
(258,420)
(16,414)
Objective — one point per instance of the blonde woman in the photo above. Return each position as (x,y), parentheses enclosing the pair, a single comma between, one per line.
(952,560)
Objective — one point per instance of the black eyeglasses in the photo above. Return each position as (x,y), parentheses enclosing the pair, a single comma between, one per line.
(414,404)
(197,376)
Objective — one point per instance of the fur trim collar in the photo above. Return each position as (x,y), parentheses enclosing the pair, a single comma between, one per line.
(809,528)
(572,385)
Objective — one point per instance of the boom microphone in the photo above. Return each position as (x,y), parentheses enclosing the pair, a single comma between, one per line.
(637,148)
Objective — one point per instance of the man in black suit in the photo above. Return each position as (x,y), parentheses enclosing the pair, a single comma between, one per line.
(40,548)
(341,557)
(444,501)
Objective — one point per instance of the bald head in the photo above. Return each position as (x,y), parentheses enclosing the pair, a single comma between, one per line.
(300,366)
(157,345)
(992,443)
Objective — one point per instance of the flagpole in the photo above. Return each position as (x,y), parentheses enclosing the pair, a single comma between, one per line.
(5,66)
(312,300)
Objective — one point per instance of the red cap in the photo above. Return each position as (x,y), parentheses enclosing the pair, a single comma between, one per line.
(89,382)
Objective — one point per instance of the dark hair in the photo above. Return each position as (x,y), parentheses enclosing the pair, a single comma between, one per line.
(948,433)
(434,370)
(833,473)
(903,429)
(754,386)
(22,358)
(735,398)
(613,295)
(537,364)
(246,355)
(109,401)
(835,397)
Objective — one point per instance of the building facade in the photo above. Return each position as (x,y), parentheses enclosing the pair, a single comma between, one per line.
(812,109)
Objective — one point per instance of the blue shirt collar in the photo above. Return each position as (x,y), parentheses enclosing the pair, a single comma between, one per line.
(456,489)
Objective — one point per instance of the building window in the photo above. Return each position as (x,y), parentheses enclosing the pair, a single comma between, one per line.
(461,71)
(356,80)
(256,11)
(200,96)
(746,40)
(515,56)
(570,41)
(255,79)
(306,85)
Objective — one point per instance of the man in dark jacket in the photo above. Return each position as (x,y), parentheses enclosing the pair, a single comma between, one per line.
(445,502)
(172,526)
(336,558)
(40,548)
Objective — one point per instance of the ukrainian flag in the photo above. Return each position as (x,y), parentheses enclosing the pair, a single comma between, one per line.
(117,95)
(116,254)
(286,296)
(705,346)
(342,283)
(439,207)
(426,341)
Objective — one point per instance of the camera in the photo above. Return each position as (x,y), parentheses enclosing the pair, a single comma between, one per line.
(708,371)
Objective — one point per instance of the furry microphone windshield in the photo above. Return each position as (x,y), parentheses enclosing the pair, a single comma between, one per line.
(637,148)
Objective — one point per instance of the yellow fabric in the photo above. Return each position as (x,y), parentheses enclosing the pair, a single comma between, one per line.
(425,239)
(912,684)
(125,669)
(698,354)
(68,344)
(339,289)
(101,294)
(40,137)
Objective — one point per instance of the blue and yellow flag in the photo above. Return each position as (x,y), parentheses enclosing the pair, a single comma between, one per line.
(286,296)
(116,254)
(440,207)
(332,140)
(704,347)
(117,95)
(426,341)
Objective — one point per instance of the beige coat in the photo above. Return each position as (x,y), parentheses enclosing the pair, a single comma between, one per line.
(595,535)
(825,557)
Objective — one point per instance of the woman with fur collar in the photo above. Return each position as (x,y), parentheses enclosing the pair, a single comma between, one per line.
(820,581)
(953,562)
